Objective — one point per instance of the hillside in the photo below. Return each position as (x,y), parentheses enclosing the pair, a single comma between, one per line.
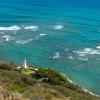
(6,95)
(36,83)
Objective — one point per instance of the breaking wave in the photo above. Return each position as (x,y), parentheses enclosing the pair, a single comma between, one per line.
(23,41)
(43,34)
(32,27)
(58,27)
(56,55)
(16,28)
(40,35)
(98,47)
(70,57)
(10,28)
(27,27)
(88,51)
(6,38)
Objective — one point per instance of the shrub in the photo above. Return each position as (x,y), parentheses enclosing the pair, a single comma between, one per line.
(28,80)
(39,74)
(7,66)
(17,87)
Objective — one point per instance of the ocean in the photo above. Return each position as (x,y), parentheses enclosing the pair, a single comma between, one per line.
(61,34)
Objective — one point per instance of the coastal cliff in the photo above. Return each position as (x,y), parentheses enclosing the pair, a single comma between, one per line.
(35,83)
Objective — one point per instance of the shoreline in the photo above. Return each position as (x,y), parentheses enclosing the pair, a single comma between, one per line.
(70,81)
(87,91)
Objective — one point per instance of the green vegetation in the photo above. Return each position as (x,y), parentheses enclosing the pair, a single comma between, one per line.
(7,65)
(41,84)
(28,80)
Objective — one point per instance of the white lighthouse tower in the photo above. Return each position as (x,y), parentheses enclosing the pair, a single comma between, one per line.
(25,64)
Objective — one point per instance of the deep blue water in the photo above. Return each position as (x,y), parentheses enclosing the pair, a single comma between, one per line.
(63,34)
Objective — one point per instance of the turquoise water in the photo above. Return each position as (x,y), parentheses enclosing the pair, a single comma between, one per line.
(63,34)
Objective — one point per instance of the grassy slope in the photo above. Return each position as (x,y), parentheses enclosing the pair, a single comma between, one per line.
(29,86)
(6,95)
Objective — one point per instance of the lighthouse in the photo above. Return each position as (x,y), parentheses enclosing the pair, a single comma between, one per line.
(25,64)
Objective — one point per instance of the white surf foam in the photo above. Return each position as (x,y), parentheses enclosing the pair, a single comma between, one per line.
(58,27)
(40,35)
(82,55)
(95,52)
(10,28)
(70,57)
(87,51)
(24,41)
(8,38)
(32,27)
(98,47)
(56,56)
(68,78)
(84,59)
(43,34)
(90,92)
(85,90)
